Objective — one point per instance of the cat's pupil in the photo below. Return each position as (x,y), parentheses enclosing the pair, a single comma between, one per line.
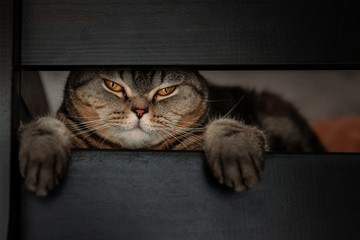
(112,84)
(166,90)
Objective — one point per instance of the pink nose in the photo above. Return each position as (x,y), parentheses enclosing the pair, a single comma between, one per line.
(139,112)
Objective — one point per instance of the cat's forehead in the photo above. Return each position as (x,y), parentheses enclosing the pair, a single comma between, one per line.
(140,81)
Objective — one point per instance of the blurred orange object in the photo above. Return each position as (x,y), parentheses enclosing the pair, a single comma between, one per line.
(340,134)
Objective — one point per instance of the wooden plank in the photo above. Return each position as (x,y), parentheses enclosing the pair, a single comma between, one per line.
(171,195)
(6,22)
(193,33)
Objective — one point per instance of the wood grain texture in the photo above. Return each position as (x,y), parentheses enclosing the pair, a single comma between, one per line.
(171,195)
(192,32)
(5,112)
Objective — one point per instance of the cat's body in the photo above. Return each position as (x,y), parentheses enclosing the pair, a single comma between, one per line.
(162,110)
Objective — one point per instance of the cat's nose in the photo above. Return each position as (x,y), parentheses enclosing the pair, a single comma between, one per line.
(139,112)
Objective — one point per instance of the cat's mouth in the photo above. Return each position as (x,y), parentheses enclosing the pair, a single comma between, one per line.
(137,137)
(137,129)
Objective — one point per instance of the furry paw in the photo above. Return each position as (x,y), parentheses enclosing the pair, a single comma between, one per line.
(235,153)
(44,152)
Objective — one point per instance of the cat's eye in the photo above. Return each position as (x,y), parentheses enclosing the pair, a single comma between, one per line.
(113,86)
(166,91)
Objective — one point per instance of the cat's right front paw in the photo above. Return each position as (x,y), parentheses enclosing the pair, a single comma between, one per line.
(234,153)
(44,153)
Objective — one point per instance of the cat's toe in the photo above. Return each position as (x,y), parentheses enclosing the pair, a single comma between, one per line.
(46,181)
(39,177)
(232,176)
(240,174)
(43,170)
(250,175)
(30,174)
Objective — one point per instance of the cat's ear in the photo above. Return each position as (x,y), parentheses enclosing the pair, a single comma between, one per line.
(78,78)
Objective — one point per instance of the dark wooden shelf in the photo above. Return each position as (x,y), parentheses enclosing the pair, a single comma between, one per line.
(191,33)
(171,195)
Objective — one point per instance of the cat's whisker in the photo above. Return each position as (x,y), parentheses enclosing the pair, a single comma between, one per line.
(102,143)
(166,140)
(94,131)
(173,136)
(220,100)
(186,134)
(76,117)
(169,120)
(193,124)
(184,128)
(189,128)
(181,131)
(227,114)
(179,121)
(90,123)
(178,140)
(194,139)
(191,136)
(79,131)
(85,125)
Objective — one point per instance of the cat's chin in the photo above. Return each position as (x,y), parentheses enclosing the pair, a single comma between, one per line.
(136,138)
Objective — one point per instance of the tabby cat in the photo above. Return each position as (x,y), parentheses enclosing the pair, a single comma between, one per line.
(163,110)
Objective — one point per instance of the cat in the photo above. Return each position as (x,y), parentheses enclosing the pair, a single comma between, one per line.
(163,110)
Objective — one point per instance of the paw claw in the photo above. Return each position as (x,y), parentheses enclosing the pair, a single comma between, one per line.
(239,188)
(42,192)
(30,185)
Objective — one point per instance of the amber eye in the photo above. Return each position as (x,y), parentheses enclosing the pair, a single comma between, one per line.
(166,91)
(113,86)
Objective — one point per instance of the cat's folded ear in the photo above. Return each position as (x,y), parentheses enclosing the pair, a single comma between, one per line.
(77,78)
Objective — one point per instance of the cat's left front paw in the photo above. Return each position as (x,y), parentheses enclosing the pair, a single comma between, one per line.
(234,153)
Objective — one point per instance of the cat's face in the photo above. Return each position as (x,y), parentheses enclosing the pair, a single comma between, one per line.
(137,109)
